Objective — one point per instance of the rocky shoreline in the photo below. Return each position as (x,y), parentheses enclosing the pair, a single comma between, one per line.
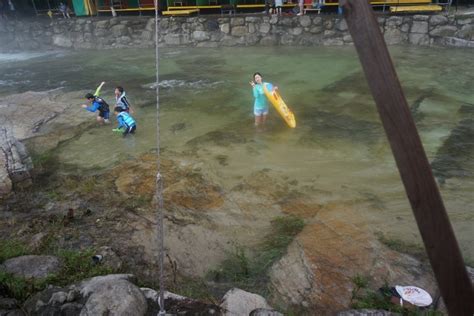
(215,31)
(114,209)
(208,228)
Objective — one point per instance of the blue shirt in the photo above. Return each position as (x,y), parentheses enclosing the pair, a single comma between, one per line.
(125,120)
(261,102)
(93,107)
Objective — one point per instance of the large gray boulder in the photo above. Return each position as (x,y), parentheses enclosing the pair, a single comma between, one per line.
(44,119)
(32,266)
(318,270)
(15,163)
(112,295)
(239,302)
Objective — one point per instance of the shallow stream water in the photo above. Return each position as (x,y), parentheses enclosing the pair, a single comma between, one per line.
(338,149)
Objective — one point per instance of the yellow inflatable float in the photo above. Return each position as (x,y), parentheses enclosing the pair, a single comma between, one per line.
(280,105)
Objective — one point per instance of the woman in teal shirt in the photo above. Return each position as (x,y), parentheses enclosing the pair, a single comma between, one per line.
(260,105)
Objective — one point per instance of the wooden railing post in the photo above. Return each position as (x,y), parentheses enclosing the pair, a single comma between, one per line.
(413,165)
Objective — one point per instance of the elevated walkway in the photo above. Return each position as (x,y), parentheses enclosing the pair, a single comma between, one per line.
(180,12)
(416,8)
(187,7)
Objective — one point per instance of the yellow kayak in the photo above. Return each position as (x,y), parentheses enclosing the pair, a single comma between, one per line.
(280,105)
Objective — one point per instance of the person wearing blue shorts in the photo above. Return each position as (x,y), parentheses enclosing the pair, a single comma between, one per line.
(260,105)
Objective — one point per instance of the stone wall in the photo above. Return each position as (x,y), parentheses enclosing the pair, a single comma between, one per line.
(214,31)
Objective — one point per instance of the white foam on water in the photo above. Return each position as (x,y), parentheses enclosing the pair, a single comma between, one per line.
(11,83)
(176,83)
(9,57)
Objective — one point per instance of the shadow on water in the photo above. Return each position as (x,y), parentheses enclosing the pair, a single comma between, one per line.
(454,157)
(218,138)
(330,126)
(355,82)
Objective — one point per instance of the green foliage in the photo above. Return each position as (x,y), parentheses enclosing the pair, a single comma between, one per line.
(137,201)
(402,246)
(53,195)
(44,163)
(469,261)
(77,266)
(250,273)
(360,281)
(87,185)
(196,289)
(10,249)
(41,159)
(235,268)
(19,288)
(373,300)
(365,298)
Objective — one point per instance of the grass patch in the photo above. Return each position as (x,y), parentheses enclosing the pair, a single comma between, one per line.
(11,248)
(42,159)
(196,289)
(137,201)
(44,163)
(251,273)
(19,288)
(402,246)
(365,298)
(77,266)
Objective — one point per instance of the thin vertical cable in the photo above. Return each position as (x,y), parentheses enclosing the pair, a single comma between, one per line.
(159,178)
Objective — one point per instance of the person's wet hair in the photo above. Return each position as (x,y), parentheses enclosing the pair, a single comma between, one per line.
(120,89)
(118,109)
(90,96)
(257,73)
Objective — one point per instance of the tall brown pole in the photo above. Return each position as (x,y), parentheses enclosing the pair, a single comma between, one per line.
(413,165)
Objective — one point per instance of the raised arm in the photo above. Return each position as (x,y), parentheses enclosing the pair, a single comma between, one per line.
(97,91)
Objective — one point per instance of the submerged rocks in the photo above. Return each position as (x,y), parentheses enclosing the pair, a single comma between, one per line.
(218,138)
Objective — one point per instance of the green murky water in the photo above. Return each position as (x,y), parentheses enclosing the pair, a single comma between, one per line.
(338,149)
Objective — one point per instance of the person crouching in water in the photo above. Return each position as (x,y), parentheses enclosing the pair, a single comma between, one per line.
(121,99)
(98,104)
(126,123)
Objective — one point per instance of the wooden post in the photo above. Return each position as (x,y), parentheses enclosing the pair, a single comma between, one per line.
(413,165)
